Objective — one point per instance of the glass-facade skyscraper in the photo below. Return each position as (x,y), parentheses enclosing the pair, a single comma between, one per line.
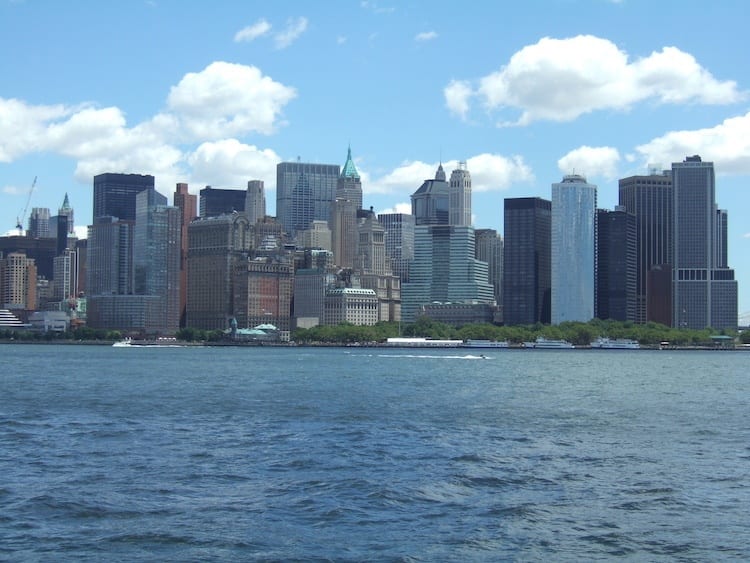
(705,291)
(573,248)
(114,194)
(615,265)
(304,193)
(526,261)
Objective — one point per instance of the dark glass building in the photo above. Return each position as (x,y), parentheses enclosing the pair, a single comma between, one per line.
(305,193)
(430,203)
(649,198)
(526,261)
(214,201)
(615,265)
(114,194)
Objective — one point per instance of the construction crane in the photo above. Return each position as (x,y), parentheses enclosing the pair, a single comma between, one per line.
(19,221)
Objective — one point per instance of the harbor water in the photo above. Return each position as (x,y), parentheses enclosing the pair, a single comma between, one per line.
(350,454)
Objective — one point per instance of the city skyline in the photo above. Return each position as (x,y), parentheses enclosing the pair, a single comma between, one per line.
(421,97)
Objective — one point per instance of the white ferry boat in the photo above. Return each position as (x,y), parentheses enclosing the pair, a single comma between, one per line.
(547,344)
(473,343)
(616,344)
(423,343)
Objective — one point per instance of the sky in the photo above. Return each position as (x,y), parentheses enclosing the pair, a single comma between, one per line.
(217,93)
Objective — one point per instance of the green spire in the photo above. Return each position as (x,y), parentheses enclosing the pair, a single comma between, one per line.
(349,170)
(66,203)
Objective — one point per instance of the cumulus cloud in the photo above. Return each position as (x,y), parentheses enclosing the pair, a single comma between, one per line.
(726,144)
(220,102)
(227,99)
(489,172)
(231,163)
(252,32)
(561,79)
(425,36)
(591,161)
(403,207)
(457,96)
(294,28)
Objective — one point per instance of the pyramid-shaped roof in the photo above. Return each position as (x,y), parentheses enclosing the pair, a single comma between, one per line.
(349,170)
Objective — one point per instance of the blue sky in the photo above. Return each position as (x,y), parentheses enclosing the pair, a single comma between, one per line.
(217,93)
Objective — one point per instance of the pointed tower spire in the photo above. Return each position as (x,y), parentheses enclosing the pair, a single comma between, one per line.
(66,203)
(349,170)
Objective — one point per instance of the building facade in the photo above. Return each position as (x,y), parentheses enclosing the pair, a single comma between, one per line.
(459,196)
(213,202)
(430,203)
(704,289)
(187,203)
(305,192)
(616,265)
(489,249)
(255,201)
(114,194)
(263,293)
(527,261)
(573,249)
(350,305)
(649,199)
(18,278)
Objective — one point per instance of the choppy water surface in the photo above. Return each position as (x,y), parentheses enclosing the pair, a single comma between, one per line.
(351,454)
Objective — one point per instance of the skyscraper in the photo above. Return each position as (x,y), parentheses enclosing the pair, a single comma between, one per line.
(67,211)
(304,193)
(156,258)
(615,265)
(573,248)
(187,204)
(489,249)
(705,291)
(526,261)
(444,270)
(344,217)
(109,260)
(114,194)
(649,199)
(399,241)
(430,203)
(459,196)
(255,201)
(39,223)
(218,201)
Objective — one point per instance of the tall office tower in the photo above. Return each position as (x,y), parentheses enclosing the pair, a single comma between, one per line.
(109,257)
(114,194)
(263,293)
(39,223)
(399,241)
(255,201)
(705,291)
(489,249)
(573,249)
(67,211)
(344,232)
(430,203)
(216,201)
(65,282)
(459,196)
(58,230)
(304,193)
(81,250)
(649,198)
(374,267)
(17,281)
(349,184)
(616,264)
(444,270)
(309,296)
(187,204)
(527,261)
(156,258)
(215,244)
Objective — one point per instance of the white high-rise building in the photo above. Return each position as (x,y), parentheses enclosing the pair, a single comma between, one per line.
(459,196)
(573,249)
(255,201)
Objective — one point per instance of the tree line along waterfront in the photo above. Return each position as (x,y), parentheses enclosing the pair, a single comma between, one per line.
(577,333)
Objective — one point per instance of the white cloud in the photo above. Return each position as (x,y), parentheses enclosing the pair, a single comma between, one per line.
(295,27)
(81,231)
(14,190)
(22,126)
(403,207)
(227,99)
(726,144)
(457,95)
(425,36)
(231,163)
(489,172)
(561,79)
(252,32)
(591,161)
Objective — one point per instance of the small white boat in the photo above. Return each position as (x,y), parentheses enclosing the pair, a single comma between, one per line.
(548,344)
(125,342)
(615,344)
